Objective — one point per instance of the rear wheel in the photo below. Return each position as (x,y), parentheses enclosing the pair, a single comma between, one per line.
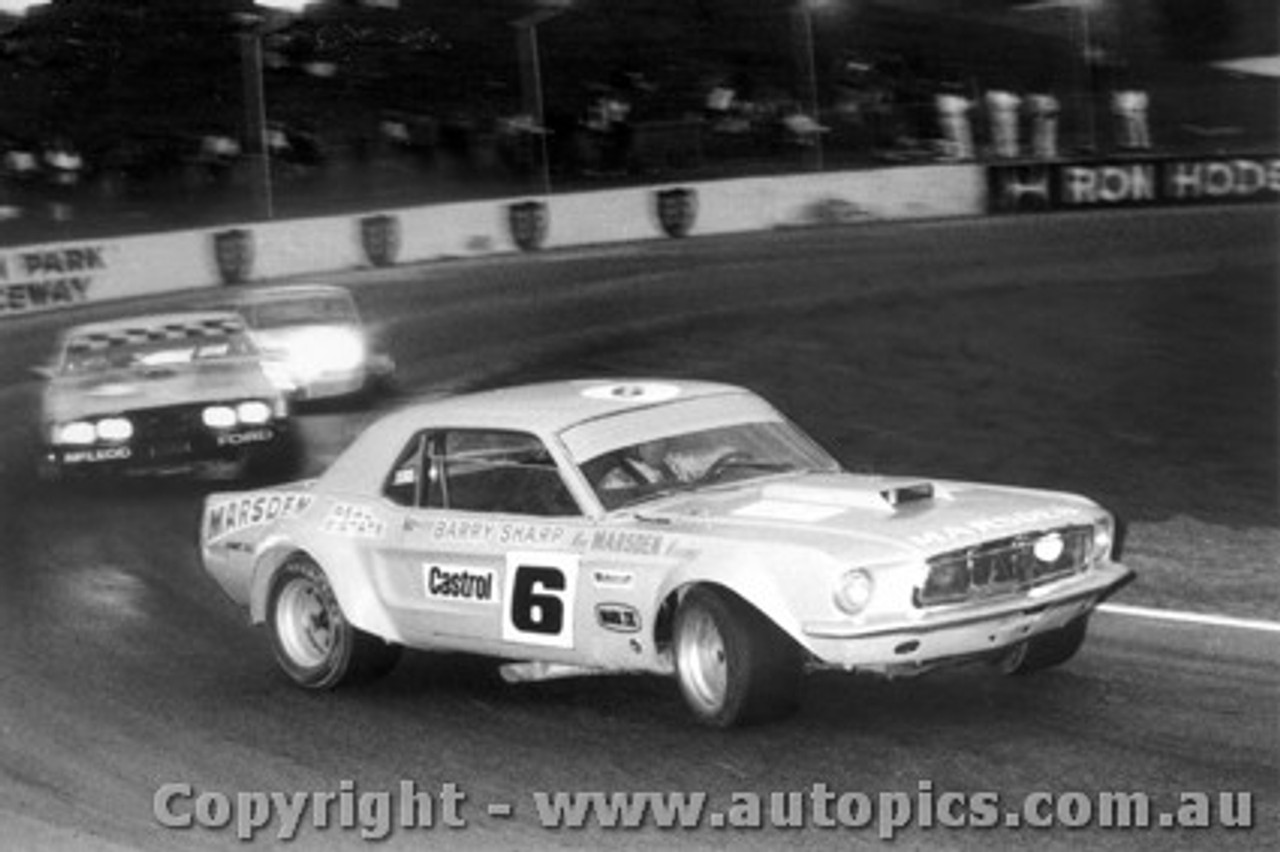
(1046,650)
(312,639)
(734,666)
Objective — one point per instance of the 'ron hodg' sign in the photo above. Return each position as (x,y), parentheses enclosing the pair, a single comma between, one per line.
(1131,182)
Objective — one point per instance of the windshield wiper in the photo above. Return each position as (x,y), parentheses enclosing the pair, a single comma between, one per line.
(757,464)
(657,492)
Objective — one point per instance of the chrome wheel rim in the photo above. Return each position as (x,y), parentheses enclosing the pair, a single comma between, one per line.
(305,624)
(703,661)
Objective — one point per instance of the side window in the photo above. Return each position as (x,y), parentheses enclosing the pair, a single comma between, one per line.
(502,472)
(404,485)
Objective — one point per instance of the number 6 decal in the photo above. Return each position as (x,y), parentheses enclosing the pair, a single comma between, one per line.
(540,600)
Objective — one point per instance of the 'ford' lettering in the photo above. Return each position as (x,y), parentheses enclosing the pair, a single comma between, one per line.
(235,439)
(461,584)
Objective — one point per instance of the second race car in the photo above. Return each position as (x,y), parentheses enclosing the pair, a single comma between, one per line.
(174,392)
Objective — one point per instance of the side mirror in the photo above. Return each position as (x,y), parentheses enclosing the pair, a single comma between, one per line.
(43,372)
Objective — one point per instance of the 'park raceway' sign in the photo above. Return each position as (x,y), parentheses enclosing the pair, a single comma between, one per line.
(1133,183)
(40,279)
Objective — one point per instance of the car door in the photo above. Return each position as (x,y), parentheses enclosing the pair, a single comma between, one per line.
(493,538)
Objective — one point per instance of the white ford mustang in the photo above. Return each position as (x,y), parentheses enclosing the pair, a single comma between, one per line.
(668,527)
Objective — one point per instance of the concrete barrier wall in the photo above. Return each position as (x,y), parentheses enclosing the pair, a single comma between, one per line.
(60,275)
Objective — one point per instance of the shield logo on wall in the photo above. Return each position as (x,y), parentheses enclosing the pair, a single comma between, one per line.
(528,221)
(677,210)
(233,251)
(380,238)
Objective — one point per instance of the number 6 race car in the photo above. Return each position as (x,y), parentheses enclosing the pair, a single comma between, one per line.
(681,528)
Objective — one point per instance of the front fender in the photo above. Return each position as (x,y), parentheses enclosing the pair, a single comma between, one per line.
(781,596)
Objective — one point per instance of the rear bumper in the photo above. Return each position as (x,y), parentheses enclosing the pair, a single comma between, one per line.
(929,639)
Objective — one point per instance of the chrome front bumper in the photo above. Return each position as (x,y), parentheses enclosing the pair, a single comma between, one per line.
(924,638)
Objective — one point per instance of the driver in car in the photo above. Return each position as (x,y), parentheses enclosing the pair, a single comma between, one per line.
(660,462)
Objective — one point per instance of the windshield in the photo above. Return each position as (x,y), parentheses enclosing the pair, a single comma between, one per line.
(89,355)
(686,461)
(310,311)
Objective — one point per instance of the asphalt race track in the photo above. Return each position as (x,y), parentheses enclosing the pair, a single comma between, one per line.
(1131,357)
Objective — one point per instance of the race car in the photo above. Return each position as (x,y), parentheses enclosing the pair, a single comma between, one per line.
(177,392)
(316,344)
(681,528)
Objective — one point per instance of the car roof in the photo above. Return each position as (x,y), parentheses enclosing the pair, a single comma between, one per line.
(553,406)
(546,408)
(212,320)
(285,292)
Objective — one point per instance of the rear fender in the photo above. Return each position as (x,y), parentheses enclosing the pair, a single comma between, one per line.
(349,574)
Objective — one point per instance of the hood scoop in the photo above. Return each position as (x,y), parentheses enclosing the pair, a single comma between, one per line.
(887,498)
(901,495)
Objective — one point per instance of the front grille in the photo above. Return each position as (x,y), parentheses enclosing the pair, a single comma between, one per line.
(174,421)
(1005,566)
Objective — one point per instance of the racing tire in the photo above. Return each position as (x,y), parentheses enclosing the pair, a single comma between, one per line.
(310,636)
(733,665)
(1046,650)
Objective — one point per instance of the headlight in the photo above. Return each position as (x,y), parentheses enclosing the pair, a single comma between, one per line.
(1048,548)
(253,412)
(854,591)
(327,349)
(79,432)
(219,417)
(114,429)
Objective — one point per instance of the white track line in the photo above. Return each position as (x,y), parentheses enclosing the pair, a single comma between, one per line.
(1191,618)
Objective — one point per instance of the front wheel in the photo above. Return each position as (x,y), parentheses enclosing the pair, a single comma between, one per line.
(312,639)
(733,664)
(1046,650)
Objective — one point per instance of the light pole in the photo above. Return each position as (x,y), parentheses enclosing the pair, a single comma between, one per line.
(255,116)
(1090,78)
(1080,37)
(531,75)
(253,26)
(804,11)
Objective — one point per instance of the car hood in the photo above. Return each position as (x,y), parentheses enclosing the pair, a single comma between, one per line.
(112,391)
(890,516)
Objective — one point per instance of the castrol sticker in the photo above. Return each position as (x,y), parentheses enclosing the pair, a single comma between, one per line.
(455,584)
